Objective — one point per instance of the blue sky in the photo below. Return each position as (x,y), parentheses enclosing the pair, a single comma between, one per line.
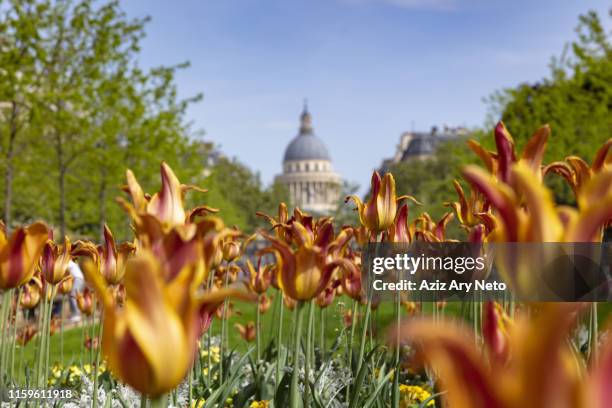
(369,68)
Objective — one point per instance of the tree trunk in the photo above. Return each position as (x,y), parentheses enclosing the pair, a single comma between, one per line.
(8,171)
(62,201)
(102,202)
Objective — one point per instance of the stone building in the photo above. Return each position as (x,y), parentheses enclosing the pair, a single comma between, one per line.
(308,173)
(422,145)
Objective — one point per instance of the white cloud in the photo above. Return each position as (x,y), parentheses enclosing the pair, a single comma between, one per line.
(437,5)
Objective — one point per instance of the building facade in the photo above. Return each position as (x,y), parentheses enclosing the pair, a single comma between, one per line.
(308,173)
(422,145)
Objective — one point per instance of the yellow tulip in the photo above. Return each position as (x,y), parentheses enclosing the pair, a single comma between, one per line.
(55,260)
(541,371)
(304,272)
(31,293)
(379,212)
(19,254)
(113,261)
(136,352)
(85,301)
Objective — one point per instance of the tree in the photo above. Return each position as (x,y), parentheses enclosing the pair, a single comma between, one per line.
(575,100)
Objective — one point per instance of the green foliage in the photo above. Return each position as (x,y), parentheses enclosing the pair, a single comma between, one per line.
(76,110)
(240,194)
(575,100)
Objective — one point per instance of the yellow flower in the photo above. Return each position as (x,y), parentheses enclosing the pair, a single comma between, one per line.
(199,403)
(411,394)
(260,404)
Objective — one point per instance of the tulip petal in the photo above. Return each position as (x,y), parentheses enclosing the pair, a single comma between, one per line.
(545,225)
(533,153)
(450,349)
(499,195)
(505,151)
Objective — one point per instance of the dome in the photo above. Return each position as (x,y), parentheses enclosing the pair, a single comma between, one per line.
(306,147)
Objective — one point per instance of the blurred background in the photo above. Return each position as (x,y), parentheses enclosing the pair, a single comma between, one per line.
(297,101)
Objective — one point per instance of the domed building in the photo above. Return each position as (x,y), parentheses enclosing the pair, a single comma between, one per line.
(308,173)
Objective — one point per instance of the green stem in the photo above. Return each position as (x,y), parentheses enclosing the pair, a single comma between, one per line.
(48,333)
(322,334)
(308,357)
(160,402)
(258,331)
(349,350)
(6,298)
(294,393)
(279,335)
(14,337)
(594,326)
(398,313)
(94,368)
(364,331)
(62,330)
(223,324)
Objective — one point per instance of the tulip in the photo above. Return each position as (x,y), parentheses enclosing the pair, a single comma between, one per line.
(260,277)
(279,222)
(55,260)
(135,350)
(379,212)
(431,231)
(326,297)
(246,332)
(65,285)
(164,208)
(544,222)
(265,302)
(306,271)
(540,372)
(500,163)
(85,301)
(19,254)
(469,211)
(577,172)
(26,334)
(31,293)
(112,260)
(496,328)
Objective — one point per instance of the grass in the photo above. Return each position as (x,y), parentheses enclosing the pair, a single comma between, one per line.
(245,312)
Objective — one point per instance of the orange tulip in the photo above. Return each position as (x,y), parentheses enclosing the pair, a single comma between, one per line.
(25,334)
(64,287)
(20,253)
(279,222)
(136,352)
(31,293)
(379,212)
(577,172)
(264,304)
(306,271)
(85,301)
(538,220)
(260,277)
(326,297)
(55,260)
(164,208)
(112,260)
(246,332)
(500,163)
(541,371)
(496,326)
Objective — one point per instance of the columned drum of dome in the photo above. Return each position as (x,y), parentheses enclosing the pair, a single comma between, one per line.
(308,173)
